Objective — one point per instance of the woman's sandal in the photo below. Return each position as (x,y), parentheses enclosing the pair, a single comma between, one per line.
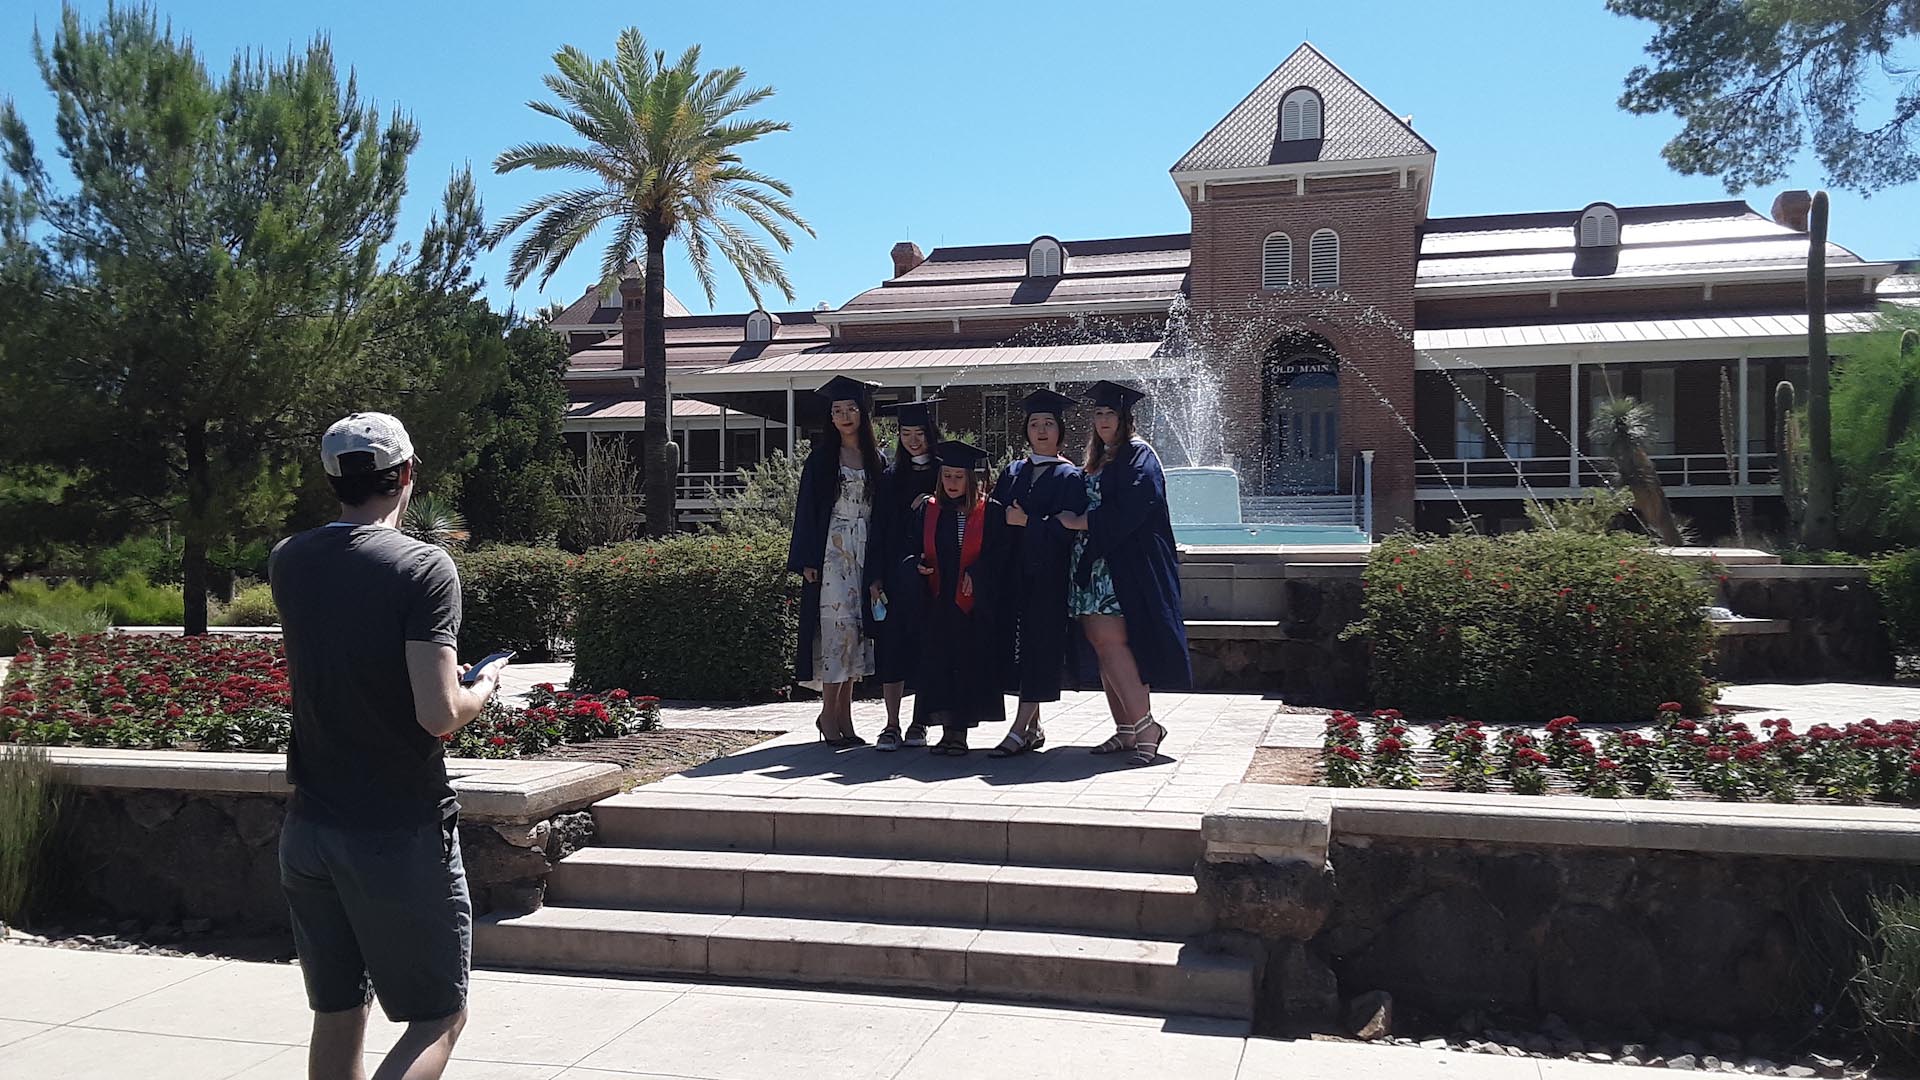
(916,736)
(1013,745)
(1147,737)
(1115,744)
(888,741)
(951,748)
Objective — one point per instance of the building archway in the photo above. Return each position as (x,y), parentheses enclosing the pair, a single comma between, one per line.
(1300,381)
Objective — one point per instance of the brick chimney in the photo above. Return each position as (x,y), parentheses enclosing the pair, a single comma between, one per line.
(1791,208)
(906,256)
(633,308)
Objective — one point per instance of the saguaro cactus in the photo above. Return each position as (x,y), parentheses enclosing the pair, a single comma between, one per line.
(1817,529)
(1787,452)
(1729,440)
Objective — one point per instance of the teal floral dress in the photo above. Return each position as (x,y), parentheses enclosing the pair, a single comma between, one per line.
(1097,596)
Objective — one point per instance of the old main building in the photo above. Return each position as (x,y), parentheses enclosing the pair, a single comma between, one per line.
(1337,313)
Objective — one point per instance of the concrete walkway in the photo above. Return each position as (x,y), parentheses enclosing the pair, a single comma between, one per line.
(71,1015)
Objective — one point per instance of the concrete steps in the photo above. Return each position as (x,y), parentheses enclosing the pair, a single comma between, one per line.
(1082,907)
(1297,509)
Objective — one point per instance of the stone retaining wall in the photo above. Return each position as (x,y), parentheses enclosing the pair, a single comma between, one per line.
(164,837)
(1632,918)
(171,856)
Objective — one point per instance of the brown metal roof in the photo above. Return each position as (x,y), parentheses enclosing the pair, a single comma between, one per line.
(590,311)
(634,409)
(1018,292)
(1357,127)
(1632,331)
(833,360)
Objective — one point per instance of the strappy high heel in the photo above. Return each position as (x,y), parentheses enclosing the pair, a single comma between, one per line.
(1148,734)
(1116,744)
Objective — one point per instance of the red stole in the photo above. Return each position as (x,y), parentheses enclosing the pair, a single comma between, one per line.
(970,540)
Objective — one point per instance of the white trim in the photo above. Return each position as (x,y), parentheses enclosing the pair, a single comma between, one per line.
(1616,283)
(1637,352)
(1535,491)
(1051,372)
(1267,260)
(990,311)
(1288,170)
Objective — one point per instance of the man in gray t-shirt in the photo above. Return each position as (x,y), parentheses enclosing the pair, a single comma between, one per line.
(370,852)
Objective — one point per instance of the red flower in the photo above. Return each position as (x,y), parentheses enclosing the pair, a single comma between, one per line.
(1390,745)
(618,695)
(1606,765)
(1350,754)
(497,740)
(1672,707)
(1719,754)
(1531,757)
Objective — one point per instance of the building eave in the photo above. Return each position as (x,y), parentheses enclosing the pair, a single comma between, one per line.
(976,312)
(1871,271)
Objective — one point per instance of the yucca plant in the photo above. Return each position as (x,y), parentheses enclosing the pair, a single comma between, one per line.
(1886,989)
(661,161)
(435,520)
(29,809)
(1622,429)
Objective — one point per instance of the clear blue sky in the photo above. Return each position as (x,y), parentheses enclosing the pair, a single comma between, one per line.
(992,122)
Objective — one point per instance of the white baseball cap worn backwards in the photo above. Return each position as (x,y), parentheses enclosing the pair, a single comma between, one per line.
(366,442)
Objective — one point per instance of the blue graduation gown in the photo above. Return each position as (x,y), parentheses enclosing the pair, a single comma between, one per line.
(1133,532)
(954,683)
(896,638)
(807,550)
(1034,626)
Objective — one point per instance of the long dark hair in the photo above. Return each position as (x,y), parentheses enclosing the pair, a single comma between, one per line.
(827,445)
(1097,448)
(969,500)
(900,456)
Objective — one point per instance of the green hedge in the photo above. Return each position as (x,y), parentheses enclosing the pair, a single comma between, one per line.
(1529,626)
(705,618)
(517,598)
(1897,578)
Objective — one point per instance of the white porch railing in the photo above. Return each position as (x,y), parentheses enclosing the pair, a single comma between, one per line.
(1677,471)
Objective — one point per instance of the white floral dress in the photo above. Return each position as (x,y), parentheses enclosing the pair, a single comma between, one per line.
(841,651)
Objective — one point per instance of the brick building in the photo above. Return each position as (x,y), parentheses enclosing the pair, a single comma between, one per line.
(1370,358)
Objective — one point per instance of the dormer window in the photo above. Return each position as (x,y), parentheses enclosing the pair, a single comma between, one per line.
(759,326)
(1300,116)
(1046,258)
(1276,261)
(1599,226)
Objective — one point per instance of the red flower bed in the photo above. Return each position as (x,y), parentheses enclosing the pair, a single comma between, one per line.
(1720,756)
(231,693)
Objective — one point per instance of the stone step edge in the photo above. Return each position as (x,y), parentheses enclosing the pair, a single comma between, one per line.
(685,941)
(884,890)
(640,858)
(959,813)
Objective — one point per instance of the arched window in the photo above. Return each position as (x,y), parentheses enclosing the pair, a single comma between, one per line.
(1599,226)
(1276,261)
(1046,258)
(1323,264)
(1300,115)
(759,326)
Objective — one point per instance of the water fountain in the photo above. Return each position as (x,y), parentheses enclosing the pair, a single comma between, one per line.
(1204,501)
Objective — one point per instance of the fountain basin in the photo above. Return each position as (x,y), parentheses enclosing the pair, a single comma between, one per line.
(1248,534)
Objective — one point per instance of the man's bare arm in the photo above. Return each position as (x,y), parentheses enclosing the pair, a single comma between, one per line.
(441,704)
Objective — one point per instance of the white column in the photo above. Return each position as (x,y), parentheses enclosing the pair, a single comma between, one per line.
(1573,423)
(919,388)
(1366,492)
(723,439)
(1740,407)
(763,438)
(789,417)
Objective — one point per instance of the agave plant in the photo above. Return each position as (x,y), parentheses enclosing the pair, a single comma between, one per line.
(1622,429)
(437,521)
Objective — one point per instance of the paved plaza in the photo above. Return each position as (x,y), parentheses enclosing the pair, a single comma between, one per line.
(71,1015)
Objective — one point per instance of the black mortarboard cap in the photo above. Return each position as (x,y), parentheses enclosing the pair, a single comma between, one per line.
(1112,395)
(955,454)
(1047,401)
(913,413)
(841,388)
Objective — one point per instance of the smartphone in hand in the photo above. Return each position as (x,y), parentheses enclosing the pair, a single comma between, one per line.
(473,673)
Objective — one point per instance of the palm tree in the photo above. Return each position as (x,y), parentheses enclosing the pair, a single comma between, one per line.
(662,162)
(1622,429)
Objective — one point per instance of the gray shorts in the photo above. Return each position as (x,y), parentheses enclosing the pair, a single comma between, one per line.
(379,911)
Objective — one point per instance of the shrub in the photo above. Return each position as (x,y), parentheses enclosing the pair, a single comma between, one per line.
(23,619)
(29,808)
(708,617)
(515,598)
(765,501)
(252,605)
(128,600)
(1530,625)
(1897,578)
(1886,989)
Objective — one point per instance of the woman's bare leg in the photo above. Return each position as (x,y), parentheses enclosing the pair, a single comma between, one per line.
(1127,695)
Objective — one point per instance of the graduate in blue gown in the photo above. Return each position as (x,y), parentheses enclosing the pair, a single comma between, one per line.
(953,549)
(892,590)
(1125,584)
(1034,625)
(831,521)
